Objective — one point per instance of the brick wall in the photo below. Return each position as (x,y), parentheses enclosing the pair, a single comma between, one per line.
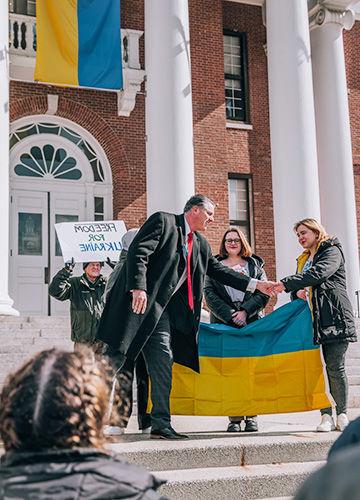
(352,50)
(218,150)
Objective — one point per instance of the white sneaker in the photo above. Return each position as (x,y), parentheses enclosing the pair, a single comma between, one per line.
(147,430)
(342,422)
(112,430)
(326,424)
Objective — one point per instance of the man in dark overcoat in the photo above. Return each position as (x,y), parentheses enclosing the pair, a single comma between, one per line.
(155,304)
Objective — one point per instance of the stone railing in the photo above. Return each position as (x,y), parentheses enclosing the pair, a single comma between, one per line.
(22,40)
(22,48)
(22,35)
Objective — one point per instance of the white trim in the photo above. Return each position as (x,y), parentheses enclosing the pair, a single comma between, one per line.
(84,185)
(257,3)
(24,145)
(239,125)
(59,120)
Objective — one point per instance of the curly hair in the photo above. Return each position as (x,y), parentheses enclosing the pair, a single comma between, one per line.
(57,400)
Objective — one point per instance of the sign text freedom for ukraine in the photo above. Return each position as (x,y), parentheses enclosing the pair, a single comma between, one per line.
(90,241)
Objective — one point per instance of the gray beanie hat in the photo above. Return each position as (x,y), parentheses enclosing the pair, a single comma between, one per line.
(128,238)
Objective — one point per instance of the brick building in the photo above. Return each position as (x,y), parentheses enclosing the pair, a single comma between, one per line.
(80,154)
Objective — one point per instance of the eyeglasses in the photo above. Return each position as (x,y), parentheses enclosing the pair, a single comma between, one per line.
(235,240)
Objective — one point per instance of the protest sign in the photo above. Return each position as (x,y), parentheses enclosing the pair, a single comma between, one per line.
(90,241)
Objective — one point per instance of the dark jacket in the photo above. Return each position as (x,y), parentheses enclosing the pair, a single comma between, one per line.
(349,437)
(74,475)
(219,301)
(333,318)
(115,272)
(339,479)
(86,302)
(155,263)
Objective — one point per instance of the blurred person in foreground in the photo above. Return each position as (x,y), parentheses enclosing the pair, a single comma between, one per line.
(339,479)
(233,307)
(52,412)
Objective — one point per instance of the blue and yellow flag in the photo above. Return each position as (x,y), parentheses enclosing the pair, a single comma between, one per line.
(79,43)
(269,366)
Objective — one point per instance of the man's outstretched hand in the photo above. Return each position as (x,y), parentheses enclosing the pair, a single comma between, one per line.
(271,288)
(139,301)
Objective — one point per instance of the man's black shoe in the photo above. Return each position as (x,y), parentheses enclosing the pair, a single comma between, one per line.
(251,425)
(166,433)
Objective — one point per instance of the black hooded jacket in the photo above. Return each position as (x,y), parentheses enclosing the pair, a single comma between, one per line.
(333,318)
(219,301)
(74,474)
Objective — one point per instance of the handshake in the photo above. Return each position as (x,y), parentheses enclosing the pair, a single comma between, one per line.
(271,288)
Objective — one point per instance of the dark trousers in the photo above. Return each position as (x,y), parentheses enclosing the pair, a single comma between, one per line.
(125,377)
(159,360)
(334,357)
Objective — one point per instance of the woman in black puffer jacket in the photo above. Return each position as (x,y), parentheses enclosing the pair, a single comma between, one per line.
(232,307)
(321,279)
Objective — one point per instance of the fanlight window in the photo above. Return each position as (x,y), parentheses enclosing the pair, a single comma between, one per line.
(55,170)
(49,163)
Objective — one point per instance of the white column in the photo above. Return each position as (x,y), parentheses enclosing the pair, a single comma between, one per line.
(336,176)
(292,126)
(169,121)
(5,301)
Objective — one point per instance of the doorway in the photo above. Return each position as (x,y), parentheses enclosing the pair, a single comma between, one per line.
(56,175)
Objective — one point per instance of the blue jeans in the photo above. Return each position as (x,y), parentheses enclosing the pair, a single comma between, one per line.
(334,357)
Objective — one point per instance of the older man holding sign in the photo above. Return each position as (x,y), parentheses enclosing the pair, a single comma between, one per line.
(90,243)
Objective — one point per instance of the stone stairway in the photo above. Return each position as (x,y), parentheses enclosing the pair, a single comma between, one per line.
(212,464)
(20,337)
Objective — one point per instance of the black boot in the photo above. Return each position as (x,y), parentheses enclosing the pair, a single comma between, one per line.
(251,424)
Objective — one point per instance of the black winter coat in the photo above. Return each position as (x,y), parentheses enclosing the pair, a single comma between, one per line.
(219,301)
(155,263)
(86,302)
(333,319)
(74,475)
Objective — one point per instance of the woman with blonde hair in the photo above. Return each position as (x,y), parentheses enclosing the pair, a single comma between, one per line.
(232,307)
(320,279)
(51,422)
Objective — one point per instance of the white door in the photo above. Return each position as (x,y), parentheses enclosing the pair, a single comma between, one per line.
(35,255)
(29,251)
(64,207)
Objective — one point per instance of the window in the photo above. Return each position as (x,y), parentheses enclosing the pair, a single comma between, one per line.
(99,208)
(235,68)
(240,203)
(24,7)
(30,166)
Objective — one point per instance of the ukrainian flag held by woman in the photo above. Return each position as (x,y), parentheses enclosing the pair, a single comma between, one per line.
(79,43)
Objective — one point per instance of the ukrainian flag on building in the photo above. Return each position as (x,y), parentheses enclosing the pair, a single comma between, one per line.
(270,366)
(79,43)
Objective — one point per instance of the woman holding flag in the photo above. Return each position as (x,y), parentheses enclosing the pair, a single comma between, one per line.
(232,307)
(320,279)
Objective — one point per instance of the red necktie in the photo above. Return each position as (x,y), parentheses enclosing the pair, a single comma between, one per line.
(188,271)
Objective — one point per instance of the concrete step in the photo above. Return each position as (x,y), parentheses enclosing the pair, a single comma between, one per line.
(354,380)
(233,483)
(352,370)
(354,396)
(350,361)
(229,451)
